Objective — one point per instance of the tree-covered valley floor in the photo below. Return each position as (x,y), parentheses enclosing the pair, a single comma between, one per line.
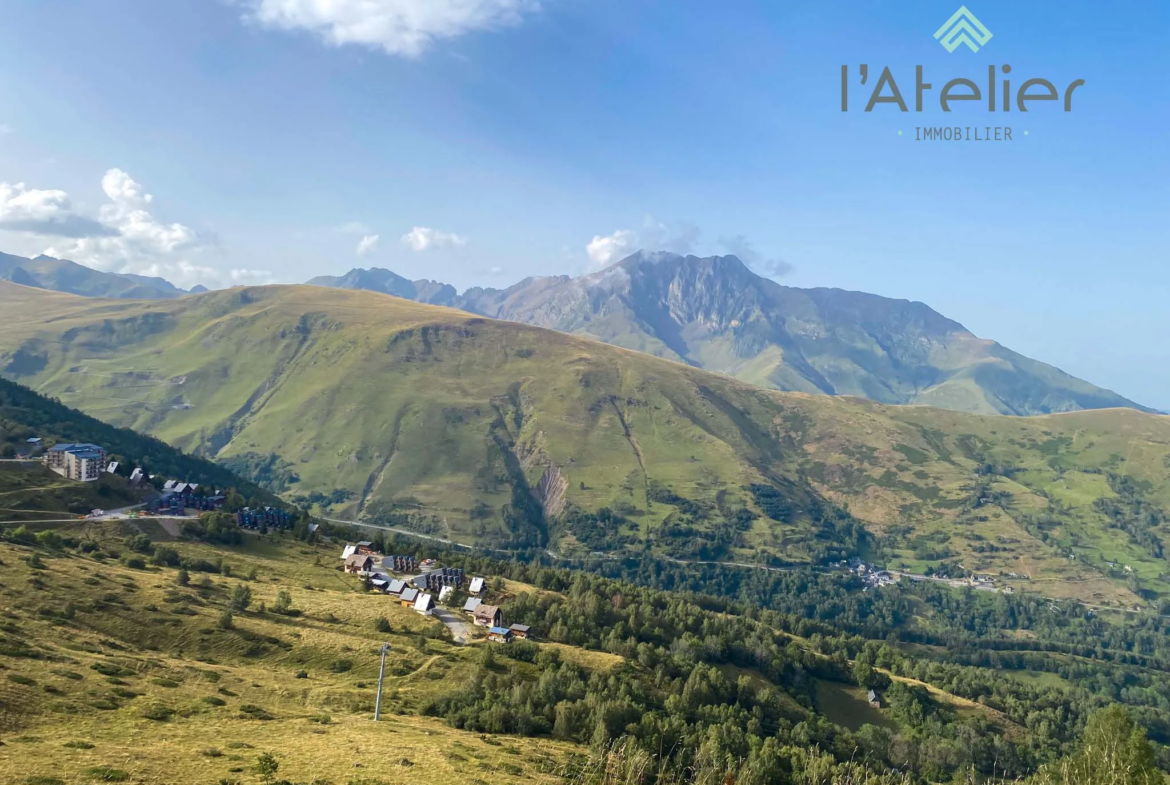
(127,655)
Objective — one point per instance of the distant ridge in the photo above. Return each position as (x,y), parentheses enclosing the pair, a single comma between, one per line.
(715,313)
(62,275)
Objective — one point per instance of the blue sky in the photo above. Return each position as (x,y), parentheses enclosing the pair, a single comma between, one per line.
(485,140)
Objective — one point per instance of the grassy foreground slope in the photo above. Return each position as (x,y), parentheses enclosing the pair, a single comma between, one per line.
(419,416)
(115,674)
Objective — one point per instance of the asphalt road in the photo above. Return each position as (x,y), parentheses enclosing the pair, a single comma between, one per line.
(457,626)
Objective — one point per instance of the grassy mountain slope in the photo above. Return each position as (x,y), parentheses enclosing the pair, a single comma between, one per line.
(716,314)
(30,492)
(505,434)
(109,673)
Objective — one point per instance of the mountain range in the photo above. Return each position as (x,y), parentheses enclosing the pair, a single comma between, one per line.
(62,275)
(716,314)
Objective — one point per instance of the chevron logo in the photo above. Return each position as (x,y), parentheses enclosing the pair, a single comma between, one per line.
(963,28)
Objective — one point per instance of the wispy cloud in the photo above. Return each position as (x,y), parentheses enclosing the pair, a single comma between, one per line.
(741,247)
(422,238)
(367,245)
(397,27)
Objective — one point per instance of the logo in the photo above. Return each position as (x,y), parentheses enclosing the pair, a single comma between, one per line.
(963,28)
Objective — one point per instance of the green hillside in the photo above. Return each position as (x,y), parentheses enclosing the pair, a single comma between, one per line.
(444,423)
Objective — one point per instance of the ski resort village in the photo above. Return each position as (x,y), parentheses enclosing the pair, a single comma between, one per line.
(446,593)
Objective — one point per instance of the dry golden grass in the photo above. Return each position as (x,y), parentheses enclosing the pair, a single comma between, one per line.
(59,623)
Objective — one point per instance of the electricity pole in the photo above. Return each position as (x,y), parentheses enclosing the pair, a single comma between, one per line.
(381,674)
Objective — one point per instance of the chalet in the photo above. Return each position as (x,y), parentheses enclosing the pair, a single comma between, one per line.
(359,564)
(445,593)
(137,477)
(169,485)
(500,635)
(424,604)
(408,597)
(396,586)
(521,631)
(874,699)
(366,547)
(347,551)
(487,616)
(472,604)
(112,468)
(400,563)
(476,586)
(380,584)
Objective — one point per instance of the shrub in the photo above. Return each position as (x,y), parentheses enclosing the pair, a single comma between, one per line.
(212,700)
(111,669)
(25,680)
(134,562)
(165,556)
(138,542)
(158,712)
(341,666)
(161,682)
(241,598)
(266,767)
(250,711)
(283,604)
(302,674)
(79,745)
(382,624)
(211,752)
(183,578)
(225,621)
(107,774)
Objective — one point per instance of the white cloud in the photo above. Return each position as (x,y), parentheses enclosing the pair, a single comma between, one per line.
(137,242)
(604,250)
(420,238)
(677,237)
(397,27)
(367,245)
(125,236)
(44,212)
(131,239)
